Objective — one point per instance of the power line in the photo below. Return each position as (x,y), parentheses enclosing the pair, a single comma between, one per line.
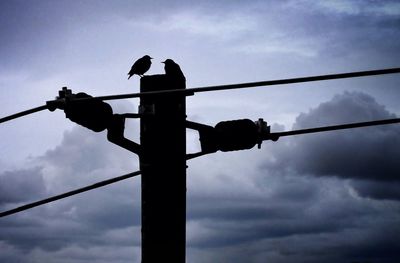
(23,113)
(191,91)
(269,136)
(68,194)
(276,135)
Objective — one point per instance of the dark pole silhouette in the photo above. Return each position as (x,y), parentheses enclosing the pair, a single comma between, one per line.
(141,66)
(163,166)
(207,147)
(162,150)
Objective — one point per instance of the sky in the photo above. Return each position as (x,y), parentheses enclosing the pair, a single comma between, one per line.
(329,197)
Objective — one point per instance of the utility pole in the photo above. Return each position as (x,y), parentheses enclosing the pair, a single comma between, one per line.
(163,166)
(162,150)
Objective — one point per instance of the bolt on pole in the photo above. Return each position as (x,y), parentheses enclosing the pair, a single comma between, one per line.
(163,166)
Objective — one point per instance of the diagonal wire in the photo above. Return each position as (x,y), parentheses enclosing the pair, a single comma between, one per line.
(191,91)
(68,194)
(269,136)
(23,113)
(276,135)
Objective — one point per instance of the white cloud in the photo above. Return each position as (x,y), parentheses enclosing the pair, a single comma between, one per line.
(198,23)
(225,26)
(280,46)
(391,8)
(340,6)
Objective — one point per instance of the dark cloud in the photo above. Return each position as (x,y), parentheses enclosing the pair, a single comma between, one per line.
(327,224)
(345,246)
(377,189)
(281,207)
(106,217)
(297,208)
(20,185)
(272,214)
(365,153)
(351,30)
(301,207)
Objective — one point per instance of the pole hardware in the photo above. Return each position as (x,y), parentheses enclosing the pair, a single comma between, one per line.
(233,135)
(95,115)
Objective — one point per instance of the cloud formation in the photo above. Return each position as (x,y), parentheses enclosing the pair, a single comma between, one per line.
(20,185)
(329,197)
(368,153)
(305,202)
(105,220)
(283,210)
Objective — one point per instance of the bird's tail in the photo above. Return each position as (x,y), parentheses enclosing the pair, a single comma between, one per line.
(129,76)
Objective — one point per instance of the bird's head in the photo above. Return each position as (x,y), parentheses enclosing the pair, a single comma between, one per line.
(168,62)
(147,57)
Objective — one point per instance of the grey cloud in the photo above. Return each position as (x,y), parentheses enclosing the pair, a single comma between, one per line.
(286,216)
(85,220)
(287,205)
(377,190)
(111,214)
(359,239)
(268,218)
(84,159)
(367,153)
(357,8)
(313,28)
(311,219)
(20,185)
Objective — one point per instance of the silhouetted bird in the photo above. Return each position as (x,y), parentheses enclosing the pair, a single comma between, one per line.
(173,69)
(140,67)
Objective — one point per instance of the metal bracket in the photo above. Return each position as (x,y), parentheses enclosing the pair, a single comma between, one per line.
(262,129)
(147,109)
(116,134)
(207,139)
(64,95)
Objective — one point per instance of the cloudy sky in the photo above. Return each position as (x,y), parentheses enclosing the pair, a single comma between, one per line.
(329,197)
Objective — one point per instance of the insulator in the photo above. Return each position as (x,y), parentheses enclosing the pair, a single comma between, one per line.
(236,135)
(93,114)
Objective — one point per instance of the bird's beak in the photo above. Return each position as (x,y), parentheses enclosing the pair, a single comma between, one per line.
(151,58)
(163,62)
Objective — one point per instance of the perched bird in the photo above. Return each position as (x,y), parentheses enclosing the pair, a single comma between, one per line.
(140,67)
(173,69)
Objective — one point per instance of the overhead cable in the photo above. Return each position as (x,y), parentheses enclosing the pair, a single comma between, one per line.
(68,194)
(191,91)
(23,113)
(277,135)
